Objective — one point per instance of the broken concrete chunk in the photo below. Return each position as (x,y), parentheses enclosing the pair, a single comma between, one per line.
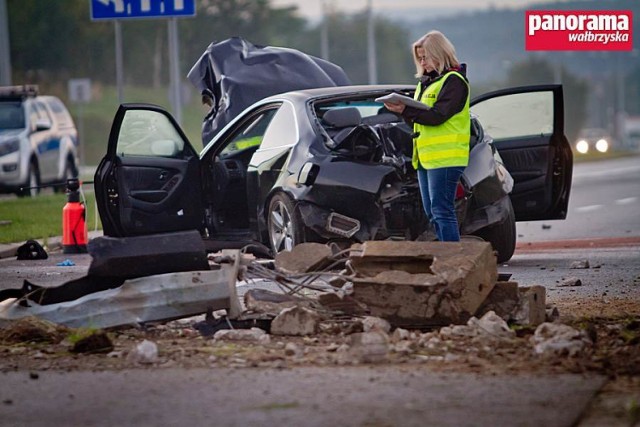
(380,256)
(400,335)
(144,353)
(371,323)
(494,325)
(570,281)
(422,284)
(552,314)
(531,309)
(560,340)
(584,263)
(503,300)
(297,321)
(369,347)
(268,302)
(253,335)
(342,303)
(303,258)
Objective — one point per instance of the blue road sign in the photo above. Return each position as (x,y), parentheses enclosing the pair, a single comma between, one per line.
(125,9)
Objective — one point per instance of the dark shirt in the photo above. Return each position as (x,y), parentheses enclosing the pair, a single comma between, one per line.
(451,100)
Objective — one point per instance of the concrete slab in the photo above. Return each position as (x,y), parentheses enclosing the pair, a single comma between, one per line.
(345,396)
(423,284)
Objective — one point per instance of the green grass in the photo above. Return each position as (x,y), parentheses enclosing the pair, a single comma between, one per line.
(595,156)
(38,217)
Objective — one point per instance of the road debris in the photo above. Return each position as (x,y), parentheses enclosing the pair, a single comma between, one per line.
(560,340)
(144,353)
(160,297)
(570,281)
(91,341)
(580,264)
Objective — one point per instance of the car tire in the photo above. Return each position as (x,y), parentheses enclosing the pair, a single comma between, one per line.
(502,235)
(70,171)
(284,224)
(33,180)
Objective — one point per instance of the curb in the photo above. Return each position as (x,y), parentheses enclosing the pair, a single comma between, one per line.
(9,250)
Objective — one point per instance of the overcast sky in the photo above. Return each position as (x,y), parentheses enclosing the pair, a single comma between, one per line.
(312,9)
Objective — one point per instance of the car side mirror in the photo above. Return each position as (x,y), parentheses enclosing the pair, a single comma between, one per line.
(164,148)
(43,124)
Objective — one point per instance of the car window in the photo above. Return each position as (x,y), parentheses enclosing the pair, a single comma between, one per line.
(283,130)
(60,112)
(517,115)
(366,108)
(148,133)
(42,112)
(250,134)
(11,115)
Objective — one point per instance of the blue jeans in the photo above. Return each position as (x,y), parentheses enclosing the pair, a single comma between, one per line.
(438,191)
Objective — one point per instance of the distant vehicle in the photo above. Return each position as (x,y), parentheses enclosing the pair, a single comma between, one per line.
(593,140)
(38,141)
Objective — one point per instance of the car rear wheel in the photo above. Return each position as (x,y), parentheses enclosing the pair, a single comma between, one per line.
(30,187)
(284,224)
(502,235)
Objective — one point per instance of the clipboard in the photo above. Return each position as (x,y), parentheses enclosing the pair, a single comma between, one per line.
(398,98)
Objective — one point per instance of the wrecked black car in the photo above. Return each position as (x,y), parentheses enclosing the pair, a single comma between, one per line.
(330,164)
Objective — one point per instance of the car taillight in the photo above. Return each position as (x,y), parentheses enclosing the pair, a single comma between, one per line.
(460,191)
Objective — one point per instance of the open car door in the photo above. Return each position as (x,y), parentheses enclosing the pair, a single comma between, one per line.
(527,126)
(149,181)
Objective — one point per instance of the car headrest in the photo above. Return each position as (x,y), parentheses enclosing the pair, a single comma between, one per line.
(342,117)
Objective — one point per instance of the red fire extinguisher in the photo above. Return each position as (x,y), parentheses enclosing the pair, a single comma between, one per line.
(74,226)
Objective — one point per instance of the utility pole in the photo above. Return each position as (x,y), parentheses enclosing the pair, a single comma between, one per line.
(5,46)
(324,32)
(117,28)
(174,69)
(371,44)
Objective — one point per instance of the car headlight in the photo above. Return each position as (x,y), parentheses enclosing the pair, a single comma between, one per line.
(582,146)
(9,147)
(602,145)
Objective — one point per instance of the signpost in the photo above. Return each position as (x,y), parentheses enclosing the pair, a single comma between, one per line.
(118,10)
(80,94)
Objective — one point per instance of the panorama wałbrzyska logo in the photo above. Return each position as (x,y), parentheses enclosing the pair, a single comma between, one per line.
(578,30)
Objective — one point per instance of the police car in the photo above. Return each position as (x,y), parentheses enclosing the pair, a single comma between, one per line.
(38,141)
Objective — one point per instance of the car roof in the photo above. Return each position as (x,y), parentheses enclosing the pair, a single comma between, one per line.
(316,93)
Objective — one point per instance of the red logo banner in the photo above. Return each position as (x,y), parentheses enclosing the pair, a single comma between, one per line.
(579,30)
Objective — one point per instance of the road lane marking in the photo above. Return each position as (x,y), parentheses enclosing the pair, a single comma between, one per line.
(626,201)
(589,208)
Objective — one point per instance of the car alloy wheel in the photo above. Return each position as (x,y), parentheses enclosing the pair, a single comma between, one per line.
(283,224)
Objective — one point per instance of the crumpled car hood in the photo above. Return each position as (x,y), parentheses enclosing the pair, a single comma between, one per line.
(236,73)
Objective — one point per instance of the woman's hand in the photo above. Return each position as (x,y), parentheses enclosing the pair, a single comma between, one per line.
(394,107)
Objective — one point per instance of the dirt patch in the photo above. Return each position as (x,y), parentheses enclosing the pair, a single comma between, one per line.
(611,326)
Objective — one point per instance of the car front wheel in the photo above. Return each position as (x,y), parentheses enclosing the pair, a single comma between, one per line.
(502,235)
(284,224)
(30,187)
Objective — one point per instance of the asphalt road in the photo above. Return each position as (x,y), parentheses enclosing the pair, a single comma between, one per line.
(604,202)
(336,396)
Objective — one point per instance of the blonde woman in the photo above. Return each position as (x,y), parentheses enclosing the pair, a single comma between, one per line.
(441,149)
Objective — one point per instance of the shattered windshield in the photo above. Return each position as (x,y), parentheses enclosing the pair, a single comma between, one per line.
(11,115)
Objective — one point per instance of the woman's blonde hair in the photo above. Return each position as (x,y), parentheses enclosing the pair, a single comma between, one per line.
(438,47)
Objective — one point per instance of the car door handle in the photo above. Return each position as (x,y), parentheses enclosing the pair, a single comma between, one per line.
(163,175)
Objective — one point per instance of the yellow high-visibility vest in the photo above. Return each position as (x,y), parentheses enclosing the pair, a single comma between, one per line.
(444,145)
